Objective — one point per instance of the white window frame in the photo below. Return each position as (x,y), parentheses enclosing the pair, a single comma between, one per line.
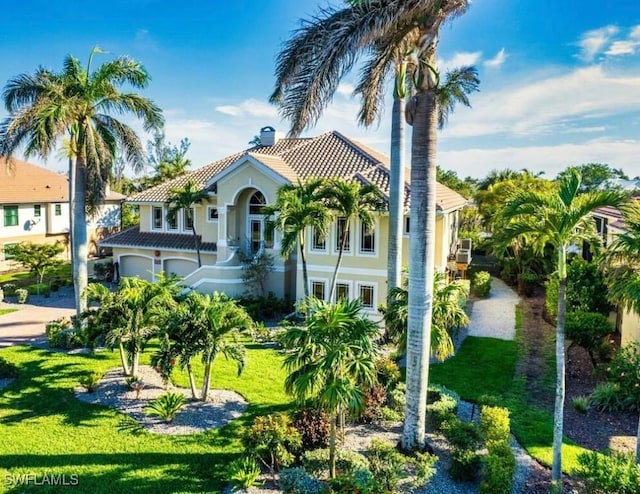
(374,230)
(57,209)
(153,218)
(336,238)
(166,221)
(374,294)
(185,226)
(209,218)
(37,207)
(349,286)
(324,283)
(312,235)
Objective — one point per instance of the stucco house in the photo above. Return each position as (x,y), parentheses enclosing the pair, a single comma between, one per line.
(231,219)
(34,203)
(609,223)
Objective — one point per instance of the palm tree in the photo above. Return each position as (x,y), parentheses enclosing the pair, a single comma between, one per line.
(331,360)
(184,198)
(622,270)
(447,315)
(297,208)
(76,103)
(378,27)
(560,220)
(350,200)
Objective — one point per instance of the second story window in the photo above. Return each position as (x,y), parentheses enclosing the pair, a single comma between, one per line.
(37,211)
(188,218)
(342,230)
(318,241)
(367,239)
(172,221)
(156,218)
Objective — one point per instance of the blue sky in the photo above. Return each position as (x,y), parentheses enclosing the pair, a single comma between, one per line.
(560,81)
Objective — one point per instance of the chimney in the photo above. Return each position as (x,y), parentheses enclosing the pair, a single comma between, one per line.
(268,136)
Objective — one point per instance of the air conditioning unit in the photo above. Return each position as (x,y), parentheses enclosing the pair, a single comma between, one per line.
(463,256)
(465,244)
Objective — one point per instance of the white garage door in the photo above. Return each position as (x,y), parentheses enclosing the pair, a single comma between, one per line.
(137,266)
(180,267)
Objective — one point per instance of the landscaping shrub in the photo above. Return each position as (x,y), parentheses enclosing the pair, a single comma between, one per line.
(614,474)
(166,406)
(267,307)
(39,289)
(442,405)
(465,464)
(624,372)
(22,294)
(298,481)
(494,424)
(388,373)
(316,462)
(273,439)
(387,465)
(581,403)
(498,469)
(7,369)
(424,465)
(9,289)
(391,415)
(465,438)
(313,426)
(607,397)
(588,329)
(243,473)
(527,282)
(90,381)
(60,333)
(481,284)
(374,400)
(359,482)
(398,398)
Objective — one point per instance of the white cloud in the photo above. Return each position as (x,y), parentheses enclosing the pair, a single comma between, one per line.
(345,89)
(593,42)
(249,108)
(622,48)
(460,59)
(498,60)
(635,32)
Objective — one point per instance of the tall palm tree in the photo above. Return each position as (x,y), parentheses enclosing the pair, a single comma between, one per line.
(622,270)
(77,103)
(378,27)
(350,200)
(183,199)
(559,219)
(297,208)
(331,360)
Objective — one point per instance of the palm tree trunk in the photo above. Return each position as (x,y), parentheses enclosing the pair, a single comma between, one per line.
(396,196)
(332,446)
(343,243)
(192,382)
(305,273)
(135,362)
(123,358)
(79,244)
(421,266)
(196,240)
(206,381)
(558,416)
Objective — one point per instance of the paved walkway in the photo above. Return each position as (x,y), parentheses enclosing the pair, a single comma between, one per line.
(495,316)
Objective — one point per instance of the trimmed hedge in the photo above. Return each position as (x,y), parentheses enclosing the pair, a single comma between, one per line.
(481,285)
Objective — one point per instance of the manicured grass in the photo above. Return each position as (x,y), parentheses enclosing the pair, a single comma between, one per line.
(7,311)
(482,366)
(45,430)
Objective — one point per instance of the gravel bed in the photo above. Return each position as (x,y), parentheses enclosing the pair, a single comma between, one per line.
(221,407)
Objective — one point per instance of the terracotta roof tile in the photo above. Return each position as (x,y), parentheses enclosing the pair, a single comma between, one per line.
(23,183)
(133,237)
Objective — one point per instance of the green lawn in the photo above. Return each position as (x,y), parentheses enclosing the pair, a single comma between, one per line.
(45,430)
(7,311)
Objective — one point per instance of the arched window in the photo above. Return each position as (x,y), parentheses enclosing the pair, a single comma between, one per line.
(256,203)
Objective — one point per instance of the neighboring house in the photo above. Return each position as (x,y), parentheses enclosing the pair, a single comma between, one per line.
(34,203)
(609,223)
(232,220)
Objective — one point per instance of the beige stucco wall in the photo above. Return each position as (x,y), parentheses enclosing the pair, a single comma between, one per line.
(630,327)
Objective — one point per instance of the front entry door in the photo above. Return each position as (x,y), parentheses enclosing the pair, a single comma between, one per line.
(256,229)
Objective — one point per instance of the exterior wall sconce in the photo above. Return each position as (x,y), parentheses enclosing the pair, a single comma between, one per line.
(156,253)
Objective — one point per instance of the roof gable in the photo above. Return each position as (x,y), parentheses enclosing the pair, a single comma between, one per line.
(24,183)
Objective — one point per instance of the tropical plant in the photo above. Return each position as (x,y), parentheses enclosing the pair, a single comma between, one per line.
(594,175)
(331,360)
(90,381)
(75,103)
(297,208)
(166,406)
(244,473)
(38,258)
(558,219)
(183,199)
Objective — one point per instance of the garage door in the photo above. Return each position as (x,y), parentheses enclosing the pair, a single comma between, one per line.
(138,266)
(180,267)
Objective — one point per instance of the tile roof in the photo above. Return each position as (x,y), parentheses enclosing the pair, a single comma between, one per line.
(328,155)
(133,237)
(23,183)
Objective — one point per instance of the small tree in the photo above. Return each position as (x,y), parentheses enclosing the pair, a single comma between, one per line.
(255,271)
(37,258)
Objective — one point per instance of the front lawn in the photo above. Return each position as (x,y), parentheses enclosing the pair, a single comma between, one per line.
(45,430)
(7,311)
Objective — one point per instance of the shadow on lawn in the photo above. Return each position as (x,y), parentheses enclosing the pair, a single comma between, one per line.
(119,472)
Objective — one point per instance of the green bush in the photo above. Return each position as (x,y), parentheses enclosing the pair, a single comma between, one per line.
(387,465)
(166,406)
(494,424)
(588,329)
(624,372)
(498,469)
(273,439)
(613,474)
(22,294)
(39,289)
(424,466)
(374,400)
(90,381)
(313,426)
(527,282)
(442,405)
(465,464)
(9,289)
(298,481)
(607,397)
(7,369)
(61,333)
(388,373)
(398,397)
(581,403)
(461,434)
(243,473)
(359,482)
(481,284)
(388,414)
(316,462)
